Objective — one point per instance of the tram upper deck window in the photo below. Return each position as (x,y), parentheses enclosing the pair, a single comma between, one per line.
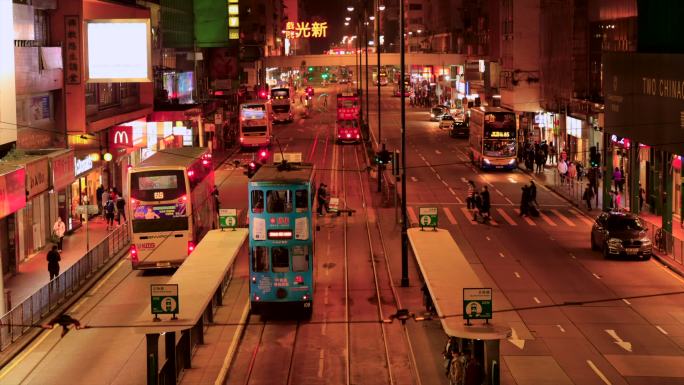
(257,201)
(281,259)
(260,260)
(300,258)
(301,201)
(279,201)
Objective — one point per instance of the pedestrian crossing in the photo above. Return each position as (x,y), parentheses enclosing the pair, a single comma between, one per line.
(507,216)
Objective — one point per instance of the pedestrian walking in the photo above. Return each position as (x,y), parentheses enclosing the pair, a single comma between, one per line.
(539,160)
(104,197)
(58,229)
(109,209)
(470,203)
(552,153)
(562,170)
(588,196)
(64,320)
(524,200)
(642,196)
(322,198)
(100,190)
(53,259)
(486,204)
(477,205)
(533,193)
(572,172)
(217,201)
(617,200)
(617,178)
(120,209)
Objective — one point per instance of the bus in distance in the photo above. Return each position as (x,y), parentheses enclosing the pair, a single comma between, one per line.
(255,124)
(493,138)
(281,100)
(170,206)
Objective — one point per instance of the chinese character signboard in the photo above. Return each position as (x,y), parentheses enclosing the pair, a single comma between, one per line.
(72,39)
(305,29)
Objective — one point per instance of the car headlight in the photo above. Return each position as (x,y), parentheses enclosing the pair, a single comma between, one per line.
(486,161)
(511,162)
(614,242)
(432,115)
(645,242)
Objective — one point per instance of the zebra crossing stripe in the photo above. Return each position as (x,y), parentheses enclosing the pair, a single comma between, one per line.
(563,218)
(527,219)
(547,219)
(507,217)
(581,217)
(449,215)
(468,215)
(412,215)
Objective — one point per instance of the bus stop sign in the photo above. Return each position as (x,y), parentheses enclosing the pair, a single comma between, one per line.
(164,299)
(427,217)
(228,218)
(477,303)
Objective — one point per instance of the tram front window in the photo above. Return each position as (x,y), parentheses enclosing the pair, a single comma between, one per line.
(260,258)
(257,201)
(301,201)
(279,201)
(281,259)
(300,258)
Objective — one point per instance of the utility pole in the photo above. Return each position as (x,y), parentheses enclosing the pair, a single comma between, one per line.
(365,40)
(402,90)
(377,49)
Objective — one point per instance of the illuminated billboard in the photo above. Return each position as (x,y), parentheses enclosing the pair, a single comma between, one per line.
(118,50)
(304,29)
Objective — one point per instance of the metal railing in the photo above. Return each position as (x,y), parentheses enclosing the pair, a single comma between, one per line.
(22,318)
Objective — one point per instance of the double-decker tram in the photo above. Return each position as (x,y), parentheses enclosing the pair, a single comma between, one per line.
(170,206)
(281,240)
(493,137)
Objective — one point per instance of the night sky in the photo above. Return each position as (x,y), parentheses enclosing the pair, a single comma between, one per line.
(332,11)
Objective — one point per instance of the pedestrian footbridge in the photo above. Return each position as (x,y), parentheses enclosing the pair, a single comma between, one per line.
(392,59)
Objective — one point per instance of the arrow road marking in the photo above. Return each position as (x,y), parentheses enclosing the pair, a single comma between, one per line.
(520,343)
(619,341)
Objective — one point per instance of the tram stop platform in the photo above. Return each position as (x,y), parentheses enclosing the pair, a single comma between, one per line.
(446,272)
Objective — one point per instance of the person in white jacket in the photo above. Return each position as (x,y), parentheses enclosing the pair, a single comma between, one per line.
(59,229)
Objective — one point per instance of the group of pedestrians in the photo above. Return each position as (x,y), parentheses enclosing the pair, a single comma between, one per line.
(461,366)
(478,202)
(111,203)
(536,155)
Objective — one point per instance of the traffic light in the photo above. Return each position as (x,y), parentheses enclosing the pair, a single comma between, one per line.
(309,91)
(383,157)
(263,154)
(594,157)
(310,69)
(324,76)
(252,168)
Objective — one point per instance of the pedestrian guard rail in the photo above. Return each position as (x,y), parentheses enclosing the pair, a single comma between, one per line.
(22,317)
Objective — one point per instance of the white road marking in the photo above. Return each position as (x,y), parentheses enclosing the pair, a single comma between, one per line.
(625,301)
(510,179)
(487,238)
(449,215)
(563,218)
(464,180)
(528,220)
(507,217)
(499,192)
(536,299)
(502,255)
(581,217)
(572,256)
(547,219)
(438,177)
(433,169)
(457,198)
(438,152)
(517,275)
(661,330)
(598,373)
(452,191)
(560,328)
(509,201)
(596,275)
(429,165)
(321,361)
(444,182)
(627,346)
(414,179)
(412,215)
(325,296)
(468,215)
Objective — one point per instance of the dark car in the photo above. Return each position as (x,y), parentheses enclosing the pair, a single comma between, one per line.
(459,129)
(620,234)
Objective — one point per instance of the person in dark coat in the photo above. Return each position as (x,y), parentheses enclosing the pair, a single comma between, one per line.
(486,203)
(322,198)
(120,209)
(63,320)
(53,259)
(533,193)
(524,200)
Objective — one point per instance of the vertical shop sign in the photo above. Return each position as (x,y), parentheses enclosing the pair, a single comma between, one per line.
(12,194)
(36,177)
(63,171)
(73,49)
(120,137)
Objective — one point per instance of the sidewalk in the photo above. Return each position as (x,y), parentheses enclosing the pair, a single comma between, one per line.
(32,274)
(670,254)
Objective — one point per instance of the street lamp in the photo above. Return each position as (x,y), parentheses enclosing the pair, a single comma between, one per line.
(346,23)
(350,8)
(381,7)
(347,18)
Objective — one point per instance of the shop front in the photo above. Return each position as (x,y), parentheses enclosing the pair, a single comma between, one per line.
(61,176)
(12,199)
(34,219)
(88,177)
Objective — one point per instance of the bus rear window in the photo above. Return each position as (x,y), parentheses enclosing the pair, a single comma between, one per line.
(158,185)
(253,129)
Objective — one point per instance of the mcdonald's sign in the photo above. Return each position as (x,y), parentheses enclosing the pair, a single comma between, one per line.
(120,137)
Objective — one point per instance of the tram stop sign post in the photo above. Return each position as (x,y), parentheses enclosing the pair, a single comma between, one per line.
(164,298)
(228,219)
(427,216)
(477,303)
